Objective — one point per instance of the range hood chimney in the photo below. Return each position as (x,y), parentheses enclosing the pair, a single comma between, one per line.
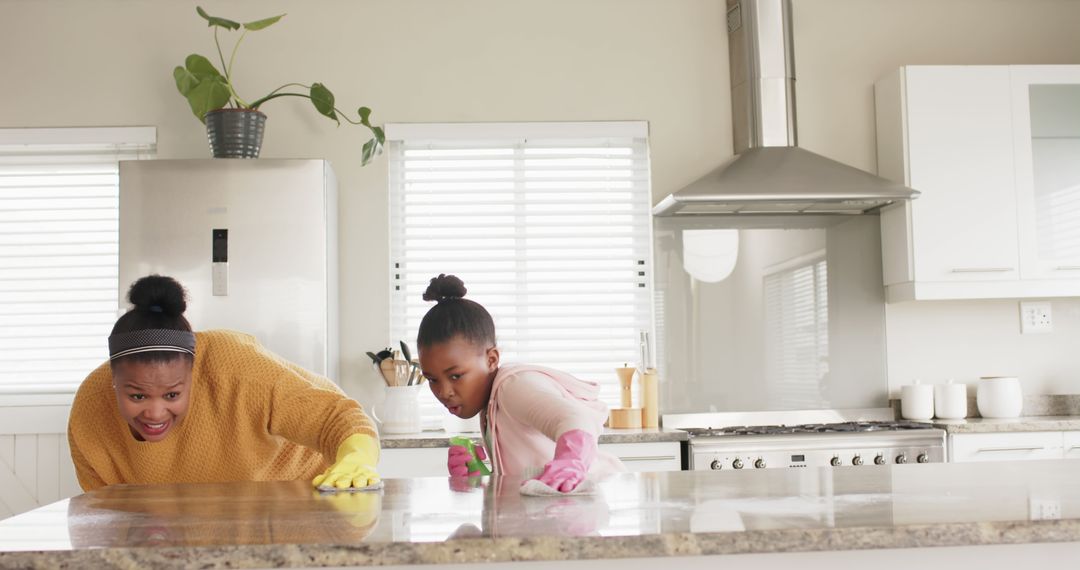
(769,174)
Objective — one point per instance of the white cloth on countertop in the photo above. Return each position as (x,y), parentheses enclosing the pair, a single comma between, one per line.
(537,488)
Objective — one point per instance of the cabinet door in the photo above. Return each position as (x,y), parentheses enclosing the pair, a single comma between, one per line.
(1046,126)
(1071,444)
(651,456)
(400,462)
(960,152)
(1009,446)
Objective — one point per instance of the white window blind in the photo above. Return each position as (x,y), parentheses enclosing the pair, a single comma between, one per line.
(58,251)
(797,333)
(549,226)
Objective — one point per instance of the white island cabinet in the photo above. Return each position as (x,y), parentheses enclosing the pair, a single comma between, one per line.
(431,461)
(992,150)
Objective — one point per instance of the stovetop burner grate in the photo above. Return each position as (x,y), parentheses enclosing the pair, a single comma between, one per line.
(841,427)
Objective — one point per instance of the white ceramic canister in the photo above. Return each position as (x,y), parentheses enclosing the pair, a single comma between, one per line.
(999,397)
(917,401)
(950,401)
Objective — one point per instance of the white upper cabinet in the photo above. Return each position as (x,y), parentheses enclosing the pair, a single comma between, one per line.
(953,133)
(1046,127)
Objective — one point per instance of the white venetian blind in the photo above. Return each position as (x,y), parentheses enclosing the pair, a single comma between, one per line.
(58,251)
(549,226)
(797,333)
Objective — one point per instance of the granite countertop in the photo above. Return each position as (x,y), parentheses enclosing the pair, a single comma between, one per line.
(633,515)
(440,438)
(1023,423)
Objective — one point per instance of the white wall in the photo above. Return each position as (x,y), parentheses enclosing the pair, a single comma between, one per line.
(109,62)
(841,48)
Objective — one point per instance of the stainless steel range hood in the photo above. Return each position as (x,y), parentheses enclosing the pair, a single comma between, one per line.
(770,175)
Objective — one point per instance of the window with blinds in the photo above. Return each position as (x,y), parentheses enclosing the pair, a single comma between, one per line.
(548,225)
(58,251)
(797,333)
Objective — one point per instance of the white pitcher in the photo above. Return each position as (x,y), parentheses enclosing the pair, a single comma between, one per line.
(399,412)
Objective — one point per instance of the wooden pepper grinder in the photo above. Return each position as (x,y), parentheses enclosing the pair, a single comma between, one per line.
(626,380)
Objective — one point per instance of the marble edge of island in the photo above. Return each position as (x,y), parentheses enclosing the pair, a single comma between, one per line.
(554,548)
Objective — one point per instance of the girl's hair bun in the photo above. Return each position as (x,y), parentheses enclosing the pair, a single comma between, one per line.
(445,287)
(158,294)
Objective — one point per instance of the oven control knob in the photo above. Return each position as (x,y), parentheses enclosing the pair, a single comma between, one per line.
(879,460)
(835,462)
(857,460)
(716,465)
(923,458)
(759,464)
(737,464)
(900,459)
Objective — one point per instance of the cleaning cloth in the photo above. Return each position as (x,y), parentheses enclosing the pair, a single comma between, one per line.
(537,488)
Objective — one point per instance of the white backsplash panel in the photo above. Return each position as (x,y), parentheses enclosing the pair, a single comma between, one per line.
(798,322)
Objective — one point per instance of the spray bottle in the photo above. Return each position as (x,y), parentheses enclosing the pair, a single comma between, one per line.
(474,464)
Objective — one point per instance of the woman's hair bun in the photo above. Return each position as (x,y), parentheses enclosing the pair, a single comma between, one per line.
(445,287)
(158,294)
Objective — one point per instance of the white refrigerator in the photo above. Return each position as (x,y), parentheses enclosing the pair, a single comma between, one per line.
(254,242)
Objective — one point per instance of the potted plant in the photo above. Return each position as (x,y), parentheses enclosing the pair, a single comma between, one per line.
(234,125)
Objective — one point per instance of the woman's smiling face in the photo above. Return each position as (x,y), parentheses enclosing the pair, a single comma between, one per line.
(153,397)
(460,374)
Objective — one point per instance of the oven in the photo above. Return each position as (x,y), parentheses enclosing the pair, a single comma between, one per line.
(844,441)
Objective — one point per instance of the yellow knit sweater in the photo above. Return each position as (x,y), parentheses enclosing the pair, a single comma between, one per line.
(253,416)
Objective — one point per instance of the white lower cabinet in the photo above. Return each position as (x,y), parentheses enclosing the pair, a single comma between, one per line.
(1008,446)
(431,461)
(652,456)
(1070,444)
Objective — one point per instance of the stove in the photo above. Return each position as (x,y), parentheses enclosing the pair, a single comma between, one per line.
(828,438)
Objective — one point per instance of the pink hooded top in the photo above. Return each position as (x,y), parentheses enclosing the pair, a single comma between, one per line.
(530,407)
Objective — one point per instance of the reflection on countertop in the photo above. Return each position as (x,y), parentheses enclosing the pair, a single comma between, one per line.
(440,520)
(440,438)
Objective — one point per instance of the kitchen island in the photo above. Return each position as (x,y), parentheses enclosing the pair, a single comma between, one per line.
(886,516)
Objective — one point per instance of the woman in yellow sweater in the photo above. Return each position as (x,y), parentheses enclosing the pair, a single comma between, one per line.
(174,406)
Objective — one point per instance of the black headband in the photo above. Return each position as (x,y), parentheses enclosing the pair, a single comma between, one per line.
(151,340)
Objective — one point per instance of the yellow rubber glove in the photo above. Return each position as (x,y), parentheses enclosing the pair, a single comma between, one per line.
(355,464)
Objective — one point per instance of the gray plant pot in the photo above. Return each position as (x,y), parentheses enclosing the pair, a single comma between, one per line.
(235,133)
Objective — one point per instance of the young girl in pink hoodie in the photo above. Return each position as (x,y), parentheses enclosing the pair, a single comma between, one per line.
(537,422)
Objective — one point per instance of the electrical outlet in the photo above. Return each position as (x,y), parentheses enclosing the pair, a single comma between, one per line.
(1044,509)
(1035,317)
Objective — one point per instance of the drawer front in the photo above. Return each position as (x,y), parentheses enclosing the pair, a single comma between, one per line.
(651,456)
(1017,446)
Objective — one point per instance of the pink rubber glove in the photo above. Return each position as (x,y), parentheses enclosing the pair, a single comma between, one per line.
(458,456)
(574,453)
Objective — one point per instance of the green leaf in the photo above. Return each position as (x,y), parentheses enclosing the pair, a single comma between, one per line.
(185,80)
(264,23)
(201,67)
(371,149)
(323,100)
(219,22)
(211,93)
(379,135)
(364,113)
